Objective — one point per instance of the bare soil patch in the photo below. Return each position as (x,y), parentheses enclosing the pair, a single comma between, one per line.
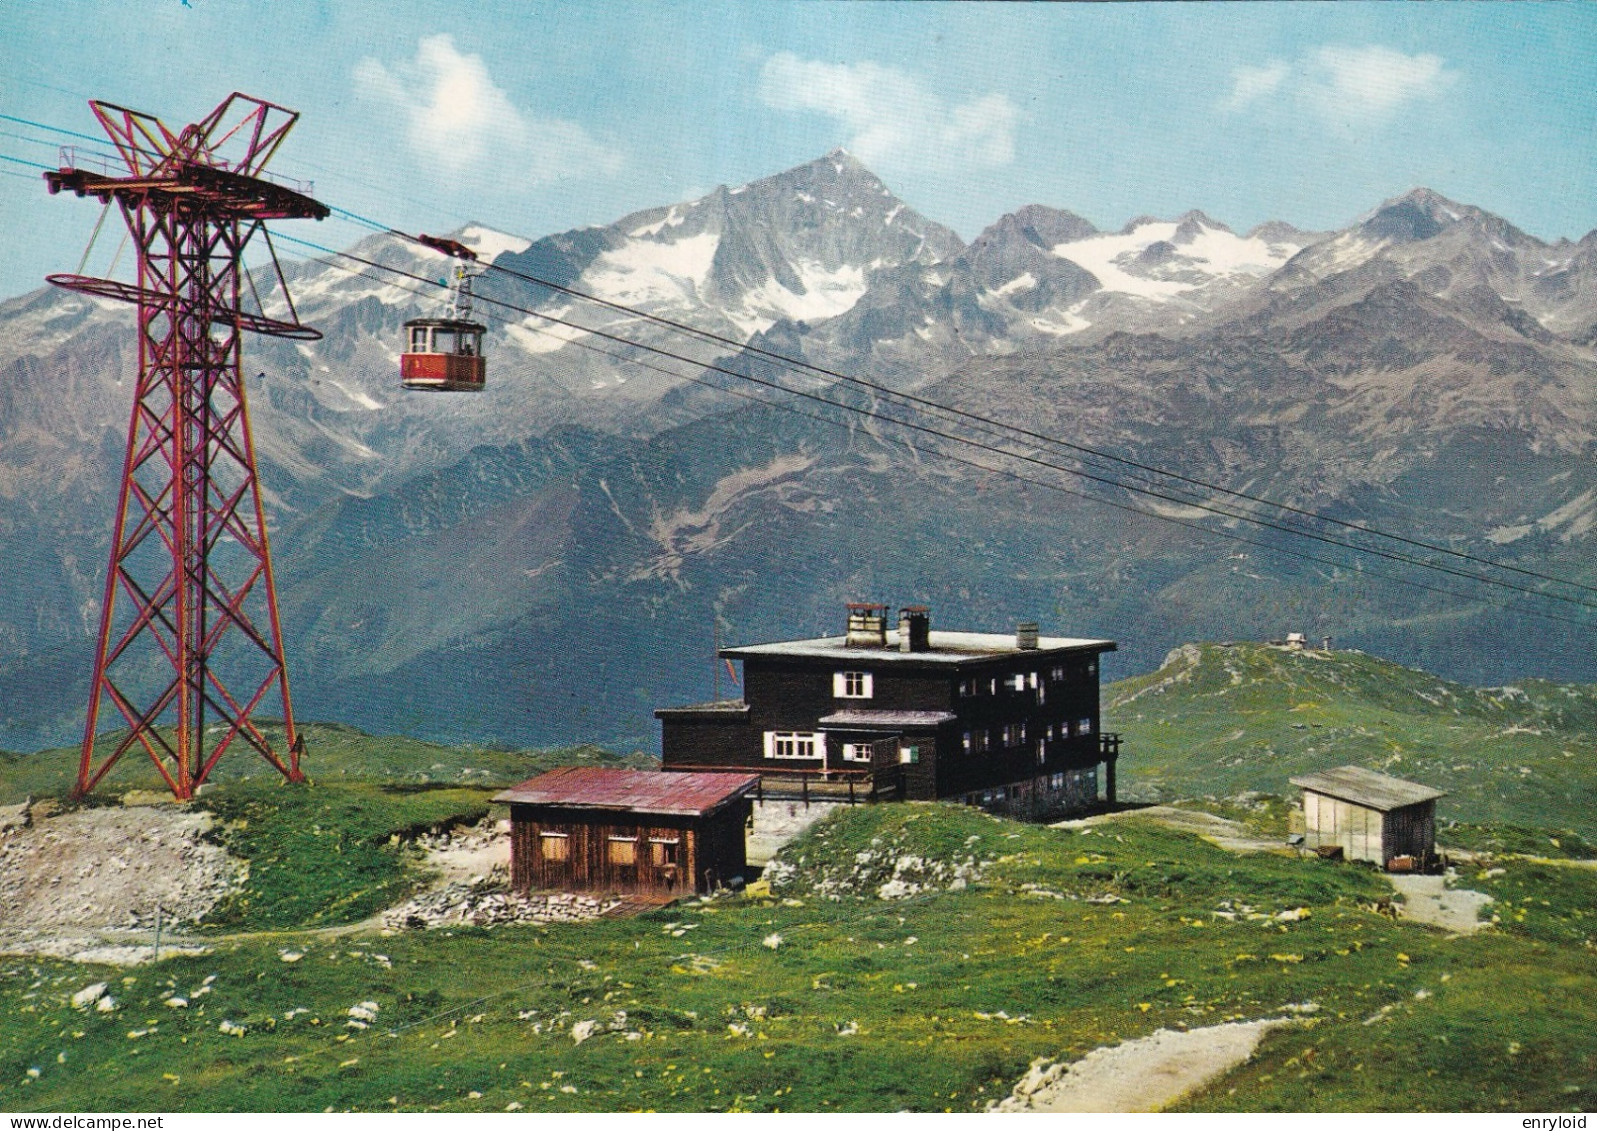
(1148,1074)
(1428,899)
(85,884)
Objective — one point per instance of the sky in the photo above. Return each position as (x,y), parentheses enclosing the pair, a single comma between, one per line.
(537,118)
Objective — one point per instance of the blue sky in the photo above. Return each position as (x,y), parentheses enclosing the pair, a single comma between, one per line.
(539,117)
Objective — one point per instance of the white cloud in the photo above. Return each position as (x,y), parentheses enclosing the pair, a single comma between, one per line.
(1344,85)
(1373,81)
(459,119)
(890,117)
(1248,84)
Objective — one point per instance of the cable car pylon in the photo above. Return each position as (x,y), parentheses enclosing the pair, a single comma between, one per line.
(190,642)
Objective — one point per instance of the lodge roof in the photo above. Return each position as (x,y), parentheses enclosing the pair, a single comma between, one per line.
(632,791)
(1369,788)
(950,648)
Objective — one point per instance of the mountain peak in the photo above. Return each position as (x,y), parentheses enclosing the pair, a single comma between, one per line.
(1417,215)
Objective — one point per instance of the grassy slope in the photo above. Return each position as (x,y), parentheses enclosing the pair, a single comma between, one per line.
(334,752)
(824,996)
(803,1001)
(1217,720)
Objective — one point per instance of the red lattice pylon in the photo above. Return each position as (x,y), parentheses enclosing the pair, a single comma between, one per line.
(190,642)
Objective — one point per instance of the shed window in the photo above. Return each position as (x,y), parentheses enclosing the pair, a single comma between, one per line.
(554,847)
(856,751)
(666,853)
(623,850)
(851,685)
(908,755)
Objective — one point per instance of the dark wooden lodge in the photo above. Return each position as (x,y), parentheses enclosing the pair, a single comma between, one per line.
(630,832)
(1006,721)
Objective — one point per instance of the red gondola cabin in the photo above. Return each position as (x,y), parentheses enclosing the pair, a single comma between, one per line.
(443,355)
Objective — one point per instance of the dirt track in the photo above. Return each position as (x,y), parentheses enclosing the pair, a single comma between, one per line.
(1138,1076)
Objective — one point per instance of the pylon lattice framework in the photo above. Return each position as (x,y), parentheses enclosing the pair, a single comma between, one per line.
(189,612)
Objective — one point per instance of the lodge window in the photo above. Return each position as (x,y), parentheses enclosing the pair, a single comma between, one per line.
(909,755)
(967,688)
(851,685)
(1015,682)
(1057,673)
(1014,734)
(1042,752)
(792,744)
(856,751)
(1084,726)
(623,850)
(554,847)
(1092,667)
(975,741)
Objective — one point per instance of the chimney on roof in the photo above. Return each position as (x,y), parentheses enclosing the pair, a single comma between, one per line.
(867,625)
(914,629)
(1026,636)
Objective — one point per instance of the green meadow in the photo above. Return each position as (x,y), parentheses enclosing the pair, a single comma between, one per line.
(1006,943)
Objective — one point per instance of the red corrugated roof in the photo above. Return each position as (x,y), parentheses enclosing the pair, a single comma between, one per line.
(638,791)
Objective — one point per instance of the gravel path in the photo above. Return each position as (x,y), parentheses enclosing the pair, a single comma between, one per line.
(1148,1074)
(1428,899)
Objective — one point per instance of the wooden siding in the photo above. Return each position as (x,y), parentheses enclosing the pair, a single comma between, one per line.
(791,695)
(1368,834)
(669,855)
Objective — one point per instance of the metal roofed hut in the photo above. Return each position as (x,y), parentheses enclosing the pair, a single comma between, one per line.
(1370,816)
(632,832)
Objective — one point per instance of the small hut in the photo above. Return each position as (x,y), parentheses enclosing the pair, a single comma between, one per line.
(1370,816)
(631,832)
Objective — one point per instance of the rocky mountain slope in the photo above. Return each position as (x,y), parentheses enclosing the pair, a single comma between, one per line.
(545,561)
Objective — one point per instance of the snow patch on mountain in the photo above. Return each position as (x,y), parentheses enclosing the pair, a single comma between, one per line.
(649,271)
(1191,257)
(826,293)
(490,243)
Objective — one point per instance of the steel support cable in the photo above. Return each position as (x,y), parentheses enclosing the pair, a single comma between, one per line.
(909,398)
(1010,429)
(1000,428)
(1004,429)
(1327,539)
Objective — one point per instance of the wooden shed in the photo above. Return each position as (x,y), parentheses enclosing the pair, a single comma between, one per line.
(1369,815)
(631,832)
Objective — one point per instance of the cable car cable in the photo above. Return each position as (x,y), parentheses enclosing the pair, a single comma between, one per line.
(898,396)
(1009,473)
(794,363)
(799,364)
(1391,555)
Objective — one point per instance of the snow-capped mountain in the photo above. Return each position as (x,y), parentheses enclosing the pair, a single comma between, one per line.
(1453,251)
(1430,365)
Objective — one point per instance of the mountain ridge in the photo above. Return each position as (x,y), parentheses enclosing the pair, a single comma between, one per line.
(1440,384)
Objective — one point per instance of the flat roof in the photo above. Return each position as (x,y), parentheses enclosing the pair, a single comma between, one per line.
(893,720)
(1369,788)
(944,648)
(713,707)
(635,791)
